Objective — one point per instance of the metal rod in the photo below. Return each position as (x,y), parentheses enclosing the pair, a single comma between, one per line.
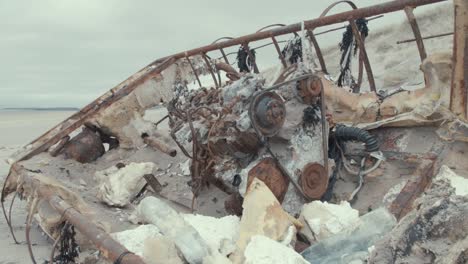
(280,54)
(210,69)
(374,10)
(417,33)
(194,72)
(343,27)
(324,128)
(459,87)
(363,55)
(224,56)
(428,37)
(318,51)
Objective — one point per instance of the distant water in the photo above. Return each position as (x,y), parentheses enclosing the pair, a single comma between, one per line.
(19,127)
(39,109)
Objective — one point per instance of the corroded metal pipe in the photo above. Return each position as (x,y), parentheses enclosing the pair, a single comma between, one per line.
(459,89)
(109,248)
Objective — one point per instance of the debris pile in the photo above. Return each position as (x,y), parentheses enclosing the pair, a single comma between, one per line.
(286,165)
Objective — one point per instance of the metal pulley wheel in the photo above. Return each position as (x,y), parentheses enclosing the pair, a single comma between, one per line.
(267,113)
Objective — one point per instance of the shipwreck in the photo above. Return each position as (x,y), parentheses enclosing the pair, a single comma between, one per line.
(298,163)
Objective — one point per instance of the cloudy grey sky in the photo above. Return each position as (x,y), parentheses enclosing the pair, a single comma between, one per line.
(67,52)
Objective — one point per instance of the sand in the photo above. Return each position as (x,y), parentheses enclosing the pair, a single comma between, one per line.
(18,128)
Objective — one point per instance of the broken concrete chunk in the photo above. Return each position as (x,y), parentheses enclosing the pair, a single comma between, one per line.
(173,226)
(134,239)
(435,232)
(219,233)
(118,186)
(185,167)
(160,250)
(323,220)
(262,215)
(351,246)
(263,250)
(457,182)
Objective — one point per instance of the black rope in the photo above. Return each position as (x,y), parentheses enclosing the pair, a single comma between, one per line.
(68,247)
(244,61)
(347,45)
(293,50)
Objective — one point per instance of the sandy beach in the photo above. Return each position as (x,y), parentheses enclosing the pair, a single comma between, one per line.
(18,128)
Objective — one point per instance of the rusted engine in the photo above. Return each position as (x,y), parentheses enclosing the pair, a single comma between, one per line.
(247,130)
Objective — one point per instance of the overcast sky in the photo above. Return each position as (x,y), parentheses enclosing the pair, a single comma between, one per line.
(67,52)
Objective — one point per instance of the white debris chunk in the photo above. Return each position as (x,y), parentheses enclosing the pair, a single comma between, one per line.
(117,186)
(134,239)
(263,250)
(220,234)
(185,168)
(325,220)
(161,250)
(173,226)
(459,183)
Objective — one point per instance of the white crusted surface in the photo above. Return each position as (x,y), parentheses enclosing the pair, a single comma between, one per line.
(219,233)
(263,250)
(326,219)
(459,183)
(118,185)
(134,239)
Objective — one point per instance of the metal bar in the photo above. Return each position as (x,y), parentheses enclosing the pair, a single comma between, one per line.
(210,69)
(280,54)
(360,73)
(324,128)
(350,3)
(224,56)
(403,203)
(417,33)
(459,87)
(194,72)
(428,37)
(270,26)
(109,248)
(318,51)
(363,55)
(344,27)
(153,182)
(374,10)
